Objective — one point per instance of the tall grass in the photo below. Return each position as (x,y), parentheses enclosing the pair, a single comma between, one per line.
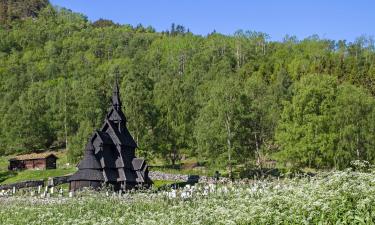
(23,175)
(329,198)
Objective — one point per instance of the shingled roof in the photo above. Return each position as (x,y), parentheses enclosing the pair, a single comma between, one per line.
(125,136)
(105,137)
(89,161)
(87,174)
(34,156)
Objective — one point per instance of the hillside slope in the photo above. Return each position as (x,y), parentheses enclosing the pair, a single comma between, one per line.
(234,99)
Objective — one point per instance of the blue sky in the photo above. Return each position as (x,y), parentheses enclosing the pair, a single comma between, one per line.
(333,19)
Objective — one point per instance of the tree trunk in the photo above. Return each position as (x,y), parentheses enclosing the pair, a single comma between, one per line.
(65,118)
(174,156)
(238,55)
(257,150)
(229,144)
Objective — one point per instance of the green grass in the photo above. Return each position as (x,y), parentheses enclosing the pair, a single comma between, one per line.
(63,186)
(4,163)
(161,183)
(37,174)
(62,160)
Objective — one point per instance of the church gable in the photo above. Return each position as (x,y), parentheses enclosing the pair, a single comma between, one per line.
(123,138)
(111,131)
(114,115)
(97,143)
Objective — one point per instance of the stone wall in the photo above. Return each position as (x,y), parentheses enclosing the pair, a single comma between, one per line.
(23,184)
(156,175)
(54,181)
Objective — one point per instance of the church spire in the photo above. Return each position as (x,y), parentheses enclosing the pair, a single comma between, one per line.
(116,102)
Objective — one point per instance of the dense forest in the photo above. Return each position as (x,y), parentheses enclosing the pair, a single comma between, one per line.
(227,100)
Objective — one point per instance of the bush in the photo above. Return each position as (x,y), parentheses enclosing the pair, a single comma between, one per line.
(360,165)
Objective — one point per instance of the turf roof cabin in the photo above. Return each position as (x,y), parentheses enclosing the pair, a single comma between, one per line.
(109,156)
(33,161)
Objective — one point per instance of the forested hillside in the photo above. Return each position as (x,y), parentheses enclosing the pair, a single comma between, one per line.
(11,10)
(225,99)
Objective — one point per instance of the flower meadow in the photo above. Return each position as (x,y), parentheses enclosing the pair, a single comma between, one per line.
(328,198)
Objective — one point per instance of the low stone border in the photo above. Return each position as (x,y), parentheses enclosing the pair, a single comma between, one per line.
(156,175)
(23,184)
(54,181)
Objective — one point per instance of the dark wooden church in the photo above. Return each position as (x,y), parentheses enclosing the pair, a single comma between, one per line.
(109,156)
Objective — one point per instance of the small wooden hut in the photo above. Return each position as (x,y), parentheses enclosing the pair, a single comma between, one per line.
(33,161)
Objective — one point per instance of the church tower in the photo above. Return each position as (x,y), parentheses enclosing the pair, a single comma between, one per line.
(110,154)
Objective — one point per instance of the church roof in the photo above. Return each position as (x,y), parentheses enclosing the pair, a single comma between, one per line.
(114,114)
(124,138)
(106,138)
(34,156)
(87,174)
(89,160)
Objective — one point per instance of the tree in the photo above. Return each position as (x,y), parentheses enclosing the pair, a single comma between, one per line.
(353,120)
(27,121)
(259,115)
(304,131)
(142,115)
(326,125)
(78,141)
(218,122)
(100,23)
(174,105)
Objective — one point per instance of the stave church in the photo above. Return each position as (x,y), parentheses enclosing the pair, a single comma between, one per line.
(109,156)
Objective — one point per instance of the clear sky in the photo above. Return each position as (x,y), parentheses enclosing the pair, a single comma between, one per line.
(334,19)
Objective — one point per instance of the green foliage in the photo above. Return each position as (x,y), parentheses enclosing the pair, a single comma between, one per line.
(326,124)
(104,23)
(4,163)
(162,183)
(140,110)
(78,142)
(219,121)
(216,97)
